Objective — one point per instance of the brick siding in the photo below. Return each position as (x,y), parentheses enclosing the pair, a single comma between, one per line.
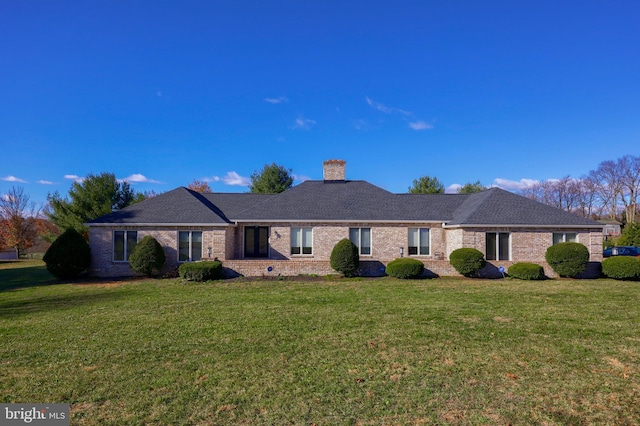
(386,241)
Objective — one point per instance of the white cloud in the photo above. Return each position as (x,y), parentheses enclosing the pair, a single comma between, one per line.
(514,185)
(300,178)
(360,124)
(303,123)
(384,108)
(211,179)
(234,179)
(453,188)
(45,182)
(13,179)
(138,178)
(75,178)
(278,100)
(420,125)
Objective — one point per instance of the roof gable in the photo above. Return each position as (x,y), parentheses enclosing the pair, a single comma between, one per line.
(324,200)
(179,206)
(498,207)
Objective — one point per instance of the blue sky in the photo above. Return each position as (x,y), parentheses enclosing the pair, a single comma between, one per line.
(165,92)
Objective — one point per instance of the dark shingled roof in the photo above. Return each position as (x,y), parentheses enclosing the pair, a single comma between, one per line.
(180,205)
(354,201)
(496,206)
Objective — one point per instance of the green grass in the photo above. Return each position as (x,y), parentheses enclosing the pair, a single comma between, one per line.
(363,351)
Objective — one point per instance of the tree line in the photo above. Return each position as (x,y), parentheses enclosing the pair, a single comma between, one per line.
(610,191)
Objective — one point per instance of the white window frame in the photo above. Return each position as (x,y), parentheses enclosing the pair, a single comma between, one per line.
(497,255)
(297,240)
(564,237)
(359,242)
(125,249)
(420,245)
(190,257)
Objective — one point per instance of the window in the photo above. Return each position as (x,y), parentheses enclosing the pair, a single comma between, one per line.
(498,246)
(189,246)
(361,237)
(301,241)
(419,241)
(564,237)
(123,244)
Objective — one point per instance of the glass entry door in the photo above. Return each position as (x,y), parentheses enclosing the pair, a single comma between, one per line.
(256,241)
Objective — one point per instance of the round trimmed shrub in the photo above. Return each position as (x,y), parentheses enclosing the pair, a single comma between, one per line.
(467,261)
(147,256)
(405,267)
(201,271)
(621,267)
(568,259)
(345,258)
(68,256)
(526,271)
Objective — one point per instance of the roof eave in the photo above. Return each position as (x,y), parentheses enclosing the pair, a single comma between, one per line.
(333,221)
(513,225)
(151,225)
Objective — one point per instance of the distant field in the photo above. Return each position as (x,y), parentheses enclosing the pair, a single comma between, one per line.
(351,351)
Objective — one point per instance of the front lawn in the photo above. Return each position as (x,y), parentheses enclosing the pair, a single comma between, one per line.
(351,351)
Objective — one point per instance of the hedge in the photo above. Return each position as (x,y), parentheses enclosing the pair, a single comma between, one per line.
(567,259)
(405,267)
(201,271)
(345,258)
(621,268)
(526,271)
(467,261)
(147,256)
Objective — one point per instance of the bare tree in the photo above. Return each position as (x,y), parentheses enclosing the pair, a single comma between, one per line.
(569,194)
(611,189)
(628,170)
(199,186)
(19,220)
(534,192)
(588,199)
(605,181)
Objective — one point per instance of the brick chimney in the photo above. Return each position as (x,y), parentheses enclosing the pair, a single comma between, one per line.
(334,170)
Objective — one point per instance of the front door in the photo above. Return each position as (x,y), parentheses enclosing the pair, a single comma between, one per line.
(256,241)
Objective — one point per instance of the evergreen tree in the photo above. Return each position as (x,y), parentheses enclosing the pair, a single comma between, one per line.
(272,179)
(95,196)
(630,235)
(68,256)
(471,188)
(147,256)
(426,185)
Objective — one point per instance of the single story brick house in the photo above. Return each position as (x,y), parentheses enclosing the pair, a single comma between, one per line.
(294,232)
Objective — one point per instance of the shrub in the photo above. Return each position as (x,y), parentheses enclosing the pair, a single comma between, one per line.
(621,268)
(345,258)
(567,259)
(68,256)
(201,271)
(147,256)
(526,271)
(405,267)
(630,235)
(467,261)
